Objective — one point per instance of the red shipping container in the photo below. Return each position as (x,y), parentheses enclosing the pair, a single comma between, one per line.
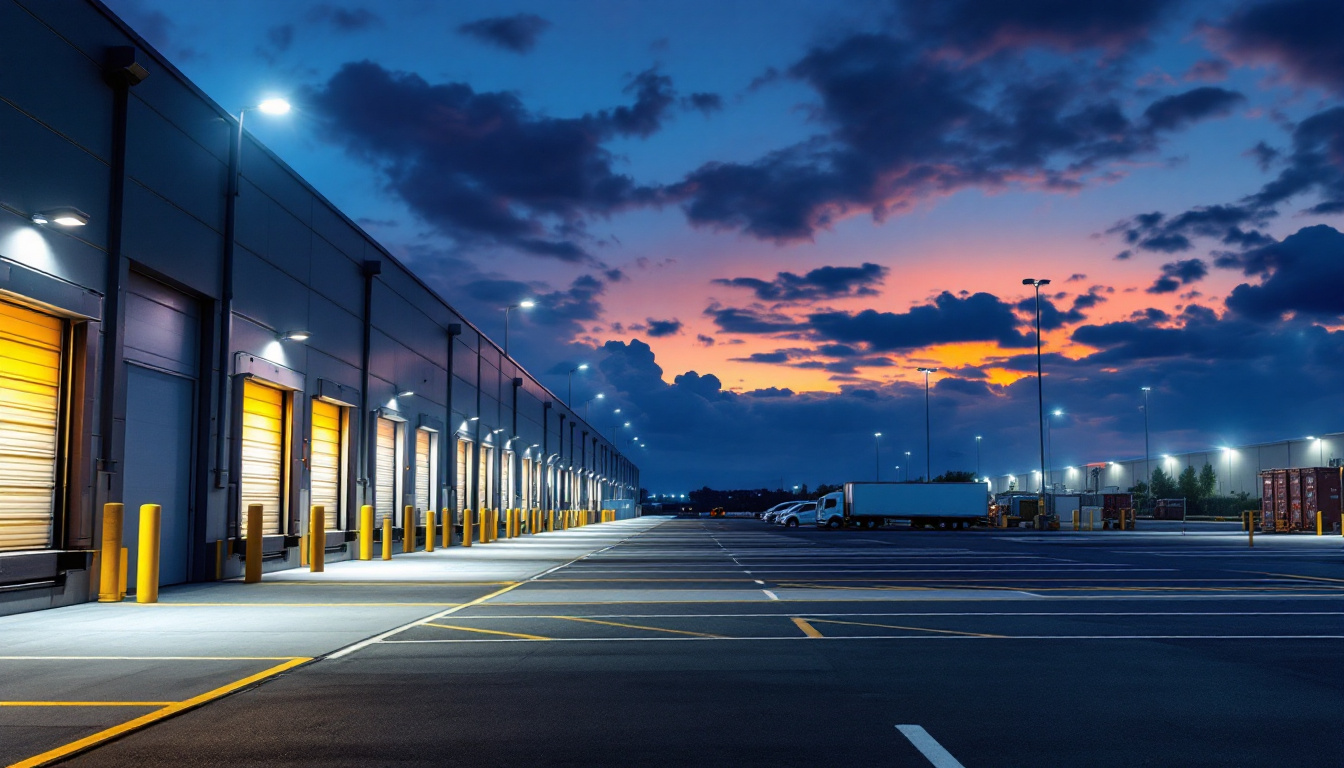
(1295,519)
(1267,501)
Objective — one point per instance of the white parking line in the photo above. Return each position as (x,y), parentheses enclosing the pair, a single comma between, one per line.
(929,747)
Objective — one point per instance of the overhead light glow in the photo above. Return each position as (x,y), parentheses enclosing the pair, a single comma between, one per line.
(274,106)
(65,216)
(527,303)
(406,393)
(295,336)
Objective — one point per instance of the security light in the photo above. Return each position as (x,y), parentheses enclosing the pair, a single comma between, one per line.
(405,393)
(295,336)
(583,367)
(527,303)
(274,106)
(65,216)
(474,418)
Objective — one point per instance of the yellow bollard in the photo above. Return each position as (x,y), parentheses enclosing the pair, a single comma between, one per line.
(387,537)
(1245,520)
(447,527)
(317,539)
(252,551)
(408,522)
(429,530)
(110,557)
(1077,524)
(1250,534)
(304,549)
(466,527)
(121,575)
(366,532)
(147,567)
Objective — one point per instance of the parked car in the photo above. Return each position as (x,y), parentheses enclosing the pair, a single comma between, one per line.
(803,514)
(775,509)
(772,515)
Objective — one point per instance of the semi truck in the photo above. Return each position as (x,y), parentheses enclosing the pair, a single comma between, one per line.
(924,505)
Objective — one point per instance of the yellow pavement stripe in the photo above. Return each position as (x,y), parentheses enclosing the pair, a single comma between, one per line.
(86,703)
(619,580)
(485,631)
(146,658)
(1296,576)
(88,742)
(912,629)
(636,626)
(373,583)
(807,628)
(299,605)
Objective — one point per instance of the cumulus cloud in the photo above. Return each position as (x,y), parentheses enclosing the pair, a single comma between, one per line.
(949,319)
(1178,273)
(984,27)
(1300,276)
(344,19)
(1300,36)
(660,328)
(517,33)
(818,284)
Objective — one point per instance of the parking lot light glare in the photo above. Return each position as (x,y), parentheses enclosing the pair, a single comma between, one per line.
(274,106)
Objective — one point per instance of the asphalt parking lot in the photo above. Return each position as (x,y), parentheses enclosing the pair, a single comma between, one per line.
(733,642)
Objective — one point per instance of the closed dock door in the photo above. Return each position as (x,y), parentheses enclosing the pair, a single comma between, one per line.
(263,441)
(423,476)
(385,472)
(30,397)
(325,466)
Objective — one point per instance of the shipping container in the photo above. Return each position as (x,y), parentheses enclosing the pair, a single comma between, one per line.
(1169,509)
(1290,498)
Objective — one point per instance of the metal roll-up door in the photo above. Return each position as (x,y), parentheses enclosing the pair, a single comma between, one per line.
(30,397)
(263,447)
(506,481)
(463,451)
(485,487)
(324,471)
(385,475)
(423,461)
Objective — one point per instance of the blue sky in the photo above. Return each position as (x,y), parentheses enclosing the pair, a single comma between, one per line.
(756,219)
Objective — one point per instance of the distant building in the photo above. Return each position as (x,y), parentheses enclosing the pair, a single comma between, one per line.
(145,360)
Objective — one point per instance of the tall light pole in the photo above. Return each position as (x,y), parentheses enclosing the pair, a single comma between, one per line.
(569,398)
(524,304)
(1040,386)
(1147,460)
(928,434)
(598,396)
(977,456)
(268,107)
(1050,441)
(877,457)
(907,466)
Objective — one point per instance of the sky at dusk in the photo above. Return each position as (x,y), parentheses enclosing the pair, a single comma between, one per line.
(755,220)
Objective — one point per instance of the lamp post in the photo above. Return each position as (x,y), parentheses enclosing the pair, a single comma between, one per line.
(928,434)
(569,399)
(1040,386)
(898,472)
(615,427)
(268,107)
(877,457)
(524,304)
(598,396)
(977,455)
(1147,460)
(907,466)
(1050,442)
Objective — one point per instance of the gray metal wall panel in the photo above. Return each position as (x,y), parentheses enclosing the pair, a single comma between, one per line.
(337,277)
(324,366)
(281,186)
(168,241)
(337,232)
(335,330)
(162,327)
(264,293)
(195,180)
(289,243)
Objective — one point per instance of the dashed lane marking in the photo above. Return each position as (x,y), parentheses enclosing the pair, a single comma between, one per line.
(929,747)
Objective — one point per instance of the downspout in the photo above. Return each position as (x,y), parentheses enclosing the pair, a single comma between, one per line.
(450,451)
(371,269)
(545,453)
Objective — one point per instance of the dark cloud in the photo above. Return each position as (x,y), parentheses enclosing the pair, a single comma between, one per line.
(1301,36)
(949,319)
(517,33)
(1076,277)
(344,19)
(1263,154)
(1052,317)
(707,103)
(818,284)
(480,166)
(940,127)
(703,340)
(660,328)
(1208,70)
(280,37)
(1179,273)
(984,27)
(1300,275)
(1174,112)
(579,302)
(738,320)
(1315,165)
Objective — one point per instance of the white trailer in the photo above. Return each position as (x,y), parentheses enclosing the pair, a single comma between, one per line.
(923,505)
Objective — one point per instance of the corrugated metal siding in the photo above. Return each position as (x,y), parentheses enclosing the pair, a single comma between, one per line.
(324,467)
(30,379)
(263,445)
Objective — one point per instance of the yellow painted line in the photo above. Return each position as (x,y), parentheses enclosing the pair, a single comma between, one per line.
(621,581)
(86,703)
(912,629)
(300,605)
(486,631)
(807,628)
(636,626)
(146,658)
(1296,576)
(378,638)
(88,742)
(374,583)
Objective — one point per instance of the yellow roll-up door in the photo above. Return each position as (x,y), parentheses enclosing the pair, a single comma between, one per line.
(422,472)
(30,397)
(263,442)
(385,477)
(325,465)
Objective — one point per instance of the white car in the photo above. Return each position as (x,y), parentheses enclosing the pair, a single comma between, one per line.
(803,514)
(770,513)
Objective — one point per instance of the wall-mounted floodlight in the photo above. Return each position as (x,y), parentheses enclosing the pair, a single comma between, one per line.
(274,106)
(405,392)
(295,336)
(65,216)
(496,431)
(474,418)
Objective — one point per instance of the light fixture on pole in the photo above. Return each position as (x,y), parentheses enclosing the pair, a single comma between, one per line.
(598,396)
(907,466)
(1040,386)
(1147,460)
(977,455)
(569,399)
(928,433)
(524,304)
(877,457)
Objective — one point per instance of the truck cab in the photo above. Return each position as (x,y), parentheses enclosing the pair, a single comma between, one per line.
(831,510)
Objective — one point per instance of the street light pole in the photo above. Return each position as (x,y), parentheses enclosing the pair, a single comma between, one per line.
(1040,386)
(907,466)
(877,457)
(524,304)
(1147,460)
(977,457)
(928,435)
(569,398)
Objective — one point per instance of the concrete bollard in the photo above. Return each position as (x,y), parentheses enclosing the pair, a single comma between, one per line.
(366,532)
(252,549)
(447,527)
(466,527)
(317,539)
(147,567)
(430,519)
(408,525)
(387,537)
(110,553)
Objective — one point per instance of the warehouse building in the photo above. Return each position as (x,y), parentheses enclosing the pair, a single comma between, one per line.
(186,322)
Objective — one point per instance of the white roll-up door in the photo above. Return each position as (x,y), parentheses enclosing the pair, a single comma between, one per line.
(385,477)
(507,499)
(424,460)
(30,396)
(485,487)
(463,451)
(324,472)
(263,446)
